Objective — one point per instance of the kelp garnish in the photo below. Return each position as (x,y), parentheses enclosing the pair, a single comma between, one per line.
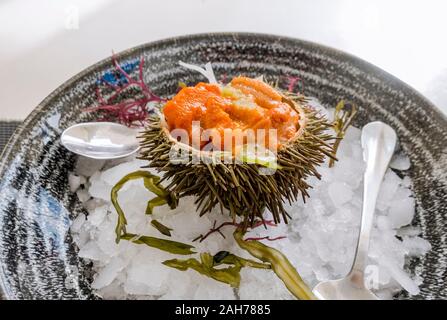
(343,115)
(151,183)
(279,263)
(161,228)
(206,266)
(170,246)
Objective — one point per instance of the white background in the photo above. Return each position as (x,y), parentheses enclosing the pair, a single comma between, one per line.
(45,42)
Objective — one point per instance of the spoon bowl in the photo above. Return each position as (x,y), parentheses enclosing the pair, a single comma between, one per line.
(101,140)
(342,289)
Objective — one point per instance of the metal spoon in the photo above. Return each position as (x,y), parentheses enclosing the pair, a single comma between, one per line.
(101,140)
(378,143)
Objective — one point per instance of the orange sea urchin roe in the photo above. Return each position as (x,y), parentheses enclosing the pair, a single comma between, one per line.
(243,104)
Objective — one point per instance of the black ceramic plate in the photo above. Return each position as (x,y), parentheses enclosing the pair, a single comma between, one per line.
(38,258)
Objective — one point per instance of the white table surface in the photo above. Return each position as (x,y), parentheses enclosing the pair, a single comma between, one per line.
(45,42)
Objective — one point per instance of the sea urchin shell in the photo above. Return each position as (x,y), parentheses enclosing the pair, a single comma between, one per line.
(240,187)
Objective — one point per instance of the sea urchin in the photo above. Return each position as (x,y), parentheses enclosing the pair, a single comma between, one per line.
(240,186)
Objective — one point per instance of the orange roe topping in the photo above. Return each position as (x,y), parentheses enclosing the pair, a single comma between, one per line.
(244,104)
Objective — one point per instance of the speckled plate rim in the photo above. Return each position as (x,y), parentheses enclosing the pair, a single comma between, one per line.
(12,144)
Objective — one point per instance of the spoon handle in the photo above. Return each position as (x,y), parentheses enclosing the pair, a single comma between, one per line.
(378,143)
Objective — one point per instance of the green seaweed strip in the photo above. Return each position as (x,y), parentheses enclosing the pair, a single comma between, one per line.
(343,118)
(228,275)
(280,265)
(230,258)
(161,227)
(150,182)
(161,244)
(156,202)
(206,266)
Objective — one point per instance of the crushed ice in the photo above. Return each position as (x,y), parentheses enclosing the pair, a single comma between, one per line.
(320,239)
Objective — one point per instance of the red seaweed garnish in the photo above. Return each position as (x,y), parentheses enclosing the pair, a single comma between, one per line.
(257,224)
(127,98)
(224,78)
(122,104)
(265,238)
(294,84)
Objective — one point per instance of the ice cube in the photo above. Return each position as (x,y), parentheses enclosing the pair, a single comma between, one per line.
(83,195)
(106,238)
(149,273)
(74,182)
(383,223)
(209,289)
(406,182)
(399,275)
(389,187)
(77,223)
(98,188)
(114,291)
(401,212)
(409,231)
(339,193)
(92,251)
(115,174)
(400,162)
(353,134)
(97,215)
(86,166)
(416,246)
(180,286)
(107,274)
